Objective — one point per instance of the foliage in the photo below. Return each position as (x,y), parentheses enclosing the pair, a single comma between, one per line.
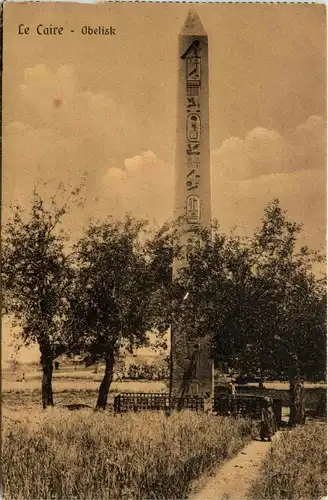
(153,371)
(115,279)
(119,271)
(93,455)
(259,300)
(35,274)
(293,309)
(162,248)
(295,468)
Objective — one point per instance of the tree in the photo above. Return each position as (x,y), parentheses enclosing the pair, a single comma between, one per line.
(214,284)
(260,302)
(293,305)
(204,297)
(112,293)
(36,272)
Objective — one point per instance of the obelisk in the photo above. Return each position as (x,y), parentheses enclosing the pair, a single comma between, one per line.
(191,366)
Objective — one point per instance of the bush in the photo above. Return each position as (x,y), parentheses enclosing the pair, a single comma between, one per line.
(296,466)
(98,456)
(148,371)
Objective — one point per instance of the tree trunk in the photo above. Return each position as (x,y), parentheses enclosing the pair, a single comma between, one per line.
(106,382)
(296,401)
(47,368)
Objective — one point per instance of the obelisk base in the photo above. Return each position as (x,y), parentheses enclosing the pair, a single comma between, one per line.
(192,367)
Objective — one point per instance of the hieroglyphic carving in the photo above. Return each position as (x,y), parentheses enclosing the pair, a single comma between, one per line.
(193,127)
(193,148)
(193,68)
(192,55)
(193,104)
(193,162)
(192,182)
(193,89)
(193,208)
(194,388)
(189,248)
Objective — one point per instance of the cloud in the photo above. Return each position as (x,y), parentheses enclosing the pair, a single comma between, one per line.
(301,193)
(246,175)
(59,130)
(143,186)
(56,101)
(264,151)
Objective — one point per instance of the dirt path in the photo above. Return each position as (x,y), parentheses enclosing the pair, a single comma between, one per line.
(232,480)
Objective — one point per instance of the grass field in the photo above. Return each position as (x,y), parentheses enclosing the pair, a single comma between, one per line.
(59,454)
(296,467)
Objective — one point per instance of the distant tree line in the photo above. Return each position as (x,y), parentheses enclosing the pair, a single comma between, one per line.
(257,297)
(148,371)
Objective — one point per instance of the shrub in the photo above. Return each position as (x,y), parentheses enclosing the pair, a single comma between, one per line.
(295,467)
(134,456)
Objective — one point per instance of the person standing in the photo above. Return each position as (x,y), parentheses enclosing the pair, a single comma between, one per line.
(232,386)
(232,392)
(207,403)
(268,420)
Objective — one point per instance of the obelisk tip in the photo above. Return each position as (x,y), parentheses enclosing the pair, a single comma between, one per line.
(193,24)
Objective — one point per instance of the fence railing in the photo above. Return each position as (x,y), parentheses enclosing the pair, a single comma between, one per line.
(244,405)
(145,401)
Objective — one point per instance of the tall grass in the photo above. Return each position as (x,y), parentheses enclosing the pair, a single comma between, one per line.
(97,456)
(296,466)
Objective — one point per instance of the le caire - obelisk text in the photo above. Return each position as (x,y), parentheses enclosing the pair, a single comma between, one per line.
(52,30)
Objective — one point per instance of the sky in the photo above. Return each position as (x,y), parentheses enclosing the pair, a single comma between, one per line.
(105,107)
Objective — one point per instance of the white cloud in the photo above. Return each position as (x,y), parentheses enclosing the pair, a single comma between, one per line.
(55,101)
(265,151)
(143,186)
(60,130)
(301,193)
(246,175)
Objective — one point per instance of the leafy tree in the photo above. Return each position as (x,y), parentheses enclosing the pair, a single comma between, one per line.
(260,301)
(214,284)
(203,297)
(292,316)
(111,299)
(161,248)
(36,272)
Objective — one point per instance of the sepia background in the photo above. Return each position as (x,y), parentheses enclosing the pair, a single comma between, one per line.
(105,107)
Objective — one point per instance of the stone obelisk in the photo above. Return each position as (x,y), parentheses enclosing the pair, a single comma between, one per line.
(192,368)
